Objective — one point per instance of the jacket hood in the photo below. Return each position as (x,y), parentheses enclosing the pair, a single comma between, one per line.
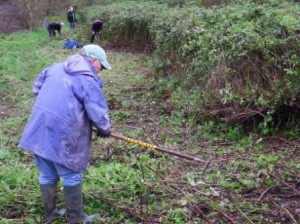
(79,65)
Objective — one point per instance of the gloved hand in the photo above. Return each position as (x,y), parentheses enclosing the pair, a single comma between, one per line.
(103,133)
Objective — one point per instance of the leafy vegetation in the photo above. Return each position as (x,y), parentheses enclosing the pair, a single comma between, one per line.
(253,177)
(239,60)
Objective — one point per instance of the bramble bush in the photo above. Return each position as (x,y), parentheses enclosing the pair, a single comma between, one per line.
(240,59)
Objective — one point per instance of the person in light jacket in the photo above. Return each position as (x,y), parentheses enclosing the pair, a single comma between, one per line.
(69,101)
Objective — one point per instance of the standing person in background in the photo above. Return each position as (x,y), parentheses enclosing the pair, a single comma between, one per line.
(96,29)
(71,17)
(69,101)
(52,27)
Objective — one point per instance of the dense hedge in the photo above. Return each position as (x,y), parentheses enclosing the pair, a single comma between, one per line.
(237,61)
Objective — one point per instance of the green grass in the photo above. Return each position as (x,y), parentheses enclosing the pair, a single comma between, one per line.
(126,183)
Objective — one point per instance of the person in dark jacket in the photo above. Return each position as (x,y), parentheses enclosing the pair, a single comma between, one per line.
(69,101)
(53,27)
(71,17)
(96,29)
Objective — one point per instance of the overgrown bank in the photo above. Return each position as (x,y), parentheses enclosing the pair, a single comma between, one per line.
(249,180)
(235,63)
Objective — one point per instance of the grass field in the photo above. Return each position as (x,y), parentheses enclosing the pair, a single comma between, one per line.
(249,180)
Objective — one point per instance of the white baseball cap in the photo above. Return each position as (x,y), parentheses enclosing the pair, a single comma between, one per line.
(95,51)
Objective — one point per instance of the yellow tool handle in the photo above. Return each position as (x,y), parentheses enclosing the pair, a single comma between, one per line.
(158,148)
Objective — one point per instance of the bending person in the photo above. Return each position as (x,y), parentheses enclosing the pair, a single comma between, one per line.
(96,29)
(53,27)
(69,100)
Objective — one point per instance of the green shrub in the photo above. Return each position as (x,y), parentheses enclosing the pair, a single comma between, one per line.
(241,55)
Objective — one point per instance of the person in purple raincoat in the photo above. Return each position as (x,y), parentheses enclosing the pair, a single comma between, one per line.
(69,101)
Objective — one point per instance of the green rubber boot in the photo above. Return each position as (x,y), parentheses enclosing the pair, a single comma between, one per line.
(74,205)
(49,195)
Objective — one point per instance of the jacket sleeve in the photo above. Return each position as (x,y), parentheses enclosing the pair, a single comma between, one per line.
(96,106)
(39,81)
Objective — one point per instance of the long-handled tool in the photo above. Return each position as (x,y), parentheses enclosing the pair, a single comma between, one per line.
(159,148)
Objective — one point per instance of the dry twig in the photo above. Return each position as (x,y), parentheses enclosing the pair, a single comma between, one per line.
(287,212)
(285,184)
(263,194)
(244,215)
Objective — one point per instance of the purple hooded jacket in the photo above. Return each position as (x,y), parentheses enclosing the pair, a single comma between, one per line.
(68,102)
